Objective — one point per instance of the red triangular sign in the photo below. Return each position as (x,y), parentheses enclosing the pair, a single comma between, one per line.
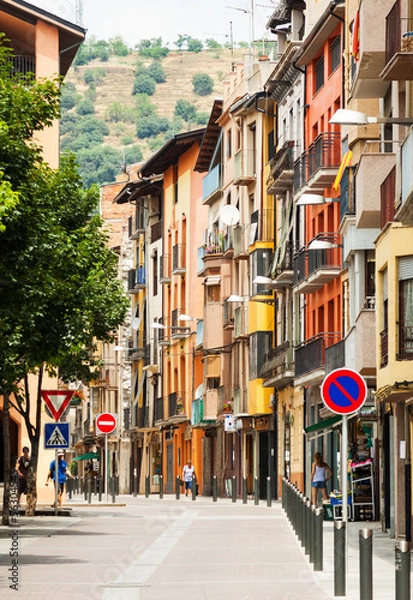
(57,401)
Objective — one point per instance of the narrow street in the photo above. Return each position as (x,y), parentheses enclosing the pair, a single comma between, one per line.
(152,548)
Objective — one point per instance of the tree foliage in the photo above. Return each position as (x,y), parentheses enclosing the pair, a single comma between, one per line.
(203,84)
(152,48)
(60,292)
(144,84)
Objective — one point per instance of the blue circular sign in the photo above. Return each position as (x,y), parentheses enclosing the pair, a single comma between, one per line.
(344,391)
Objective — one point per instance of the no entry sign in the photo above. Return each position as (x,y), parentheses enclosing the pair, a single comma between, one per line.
(344,391)
(106,423)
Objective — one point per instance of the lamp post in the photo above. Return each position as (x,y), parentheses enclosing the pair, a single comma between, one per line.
(344,116)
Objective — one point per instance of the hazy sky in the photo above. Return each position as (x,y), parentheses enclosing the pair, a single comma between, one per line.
(135,20)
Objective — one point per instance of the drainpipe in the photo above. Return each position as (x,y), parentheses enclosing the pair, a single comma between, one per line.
(408,475)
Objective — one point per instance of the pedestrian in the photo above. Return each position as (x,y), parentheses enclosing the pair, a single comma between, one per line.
(320,474)
(62,473)
(22,467)
(188,474)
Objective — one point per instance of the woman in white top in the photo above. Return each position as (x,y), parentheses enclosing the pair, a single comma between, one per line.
(320,474)
(188,474)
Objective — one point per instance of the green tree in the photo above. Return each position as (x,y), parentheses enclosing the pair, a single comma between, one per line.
(118,46)
(185,110)
(144,84)
(59,285)
(194,45)
(212,44)
(151,126)
(203,84)
(155,70)
(85,107)
(181,41)
(152,48)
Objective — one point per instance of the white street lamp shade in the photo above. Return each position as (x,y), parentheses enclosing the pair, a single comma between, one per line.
(343,116)
(262,279)
(158,326)
(236,298)
(320,245)
(186,318)
(306,199)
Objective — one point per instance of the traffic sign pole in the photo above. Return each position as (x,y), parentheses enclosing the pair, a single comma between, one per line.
(106,468)
(56,483)
(344,479)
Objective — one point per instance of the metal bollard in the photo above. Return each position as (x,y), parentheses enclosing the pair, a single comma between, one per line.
(402,570)
(234,488)
(366,564)
(113,490)
(214,489)
(268,491)
(244,491)
(147,486)
(100,484)
(193,488)
(177,487)
(318,554)
(135,484)
(69,486)
(89,490)
(312,534)
(160,486)
(256,495)
(85,489)
(339,558)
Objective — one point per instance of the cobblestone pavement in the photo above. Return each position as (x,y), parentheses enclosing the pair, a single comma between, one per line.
(158,549)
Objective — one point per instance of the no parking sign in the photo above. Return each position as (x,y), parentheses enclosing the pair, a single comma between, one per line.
(344,391)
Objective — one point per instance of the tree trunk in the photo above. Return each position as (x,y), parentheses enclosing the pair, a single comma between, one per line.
(6,443)
(34,434)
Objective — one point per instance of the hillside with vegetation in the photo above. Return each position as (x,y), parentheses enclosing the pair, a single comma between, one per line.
(119,106)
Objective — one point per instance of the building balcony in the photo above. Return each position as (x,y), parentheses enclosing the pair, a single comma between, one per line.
(136,280)
(212,185)
(284,276)
(405,342)
(282,169)
(241,330)
(313,269)
(399,44)
(211,398)
(405,212)
(241,241)
(156,231)
(310,365)
(374,166)
(316,168)
(335,356)
(262,226)
(176,405)
(360,343)
(136,225)
(165,265)
(367,80)
(179,259)
(197,413)
(244,167)
(278,368)
(23,65)
(136,349)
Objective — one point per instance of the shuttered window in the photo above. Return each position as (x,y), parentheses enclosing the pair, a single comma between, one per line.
(387,197)
(405,267)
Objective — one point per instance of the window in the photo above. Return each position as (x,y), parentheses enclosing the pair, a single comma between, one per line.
(229,143)
(155,275)
(260,265)
(260,343)
(212,293)
(175,178)
(319,74)
(335,52)
(370,278)
(406,307)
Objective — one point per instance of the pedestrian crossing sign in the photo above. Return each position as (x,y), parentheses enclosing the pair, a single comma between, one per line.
(56,435)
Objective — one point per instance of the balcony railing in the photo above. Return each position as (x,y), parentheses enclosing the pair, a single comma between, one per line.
(384,347)
(136,279)
(310,355)
(156,231)
(212,184)
(335,357)
(278,367)
(165,268)
(263,221)
(23,65)
(136,224)
(405,342)
(197,414)
(315,268)
(241,322)
(244,167)
(176,404)
(282,169)
(241,241)
(179,259)
(317,166)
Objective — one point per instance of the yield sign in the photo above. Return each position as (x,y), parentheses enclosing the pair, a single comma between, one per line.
(57,401)
(344,391)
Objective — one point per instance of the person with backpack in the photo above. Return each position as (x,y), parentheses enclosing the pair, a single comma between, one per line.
(62,474)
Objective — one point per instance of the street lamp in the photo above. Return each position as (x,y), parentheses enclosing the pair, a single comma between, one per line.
(344,116)
(312,199)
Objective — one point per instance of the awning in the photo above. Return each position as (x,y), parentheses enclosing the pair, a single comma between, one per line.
(325,424)
(212,280)
(87,456)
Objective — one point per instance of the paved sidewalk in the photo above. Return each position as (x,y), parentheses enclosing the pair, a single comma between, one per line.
(165,549)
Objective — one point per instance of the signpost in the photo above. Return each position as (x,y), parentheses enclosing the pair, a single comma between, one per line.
(344,391)
(106,423)
(56,435)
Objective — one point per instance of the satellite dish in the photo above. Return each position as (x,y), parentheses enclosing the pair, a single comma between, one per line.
(229,214)
(135,323)
(199,391)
